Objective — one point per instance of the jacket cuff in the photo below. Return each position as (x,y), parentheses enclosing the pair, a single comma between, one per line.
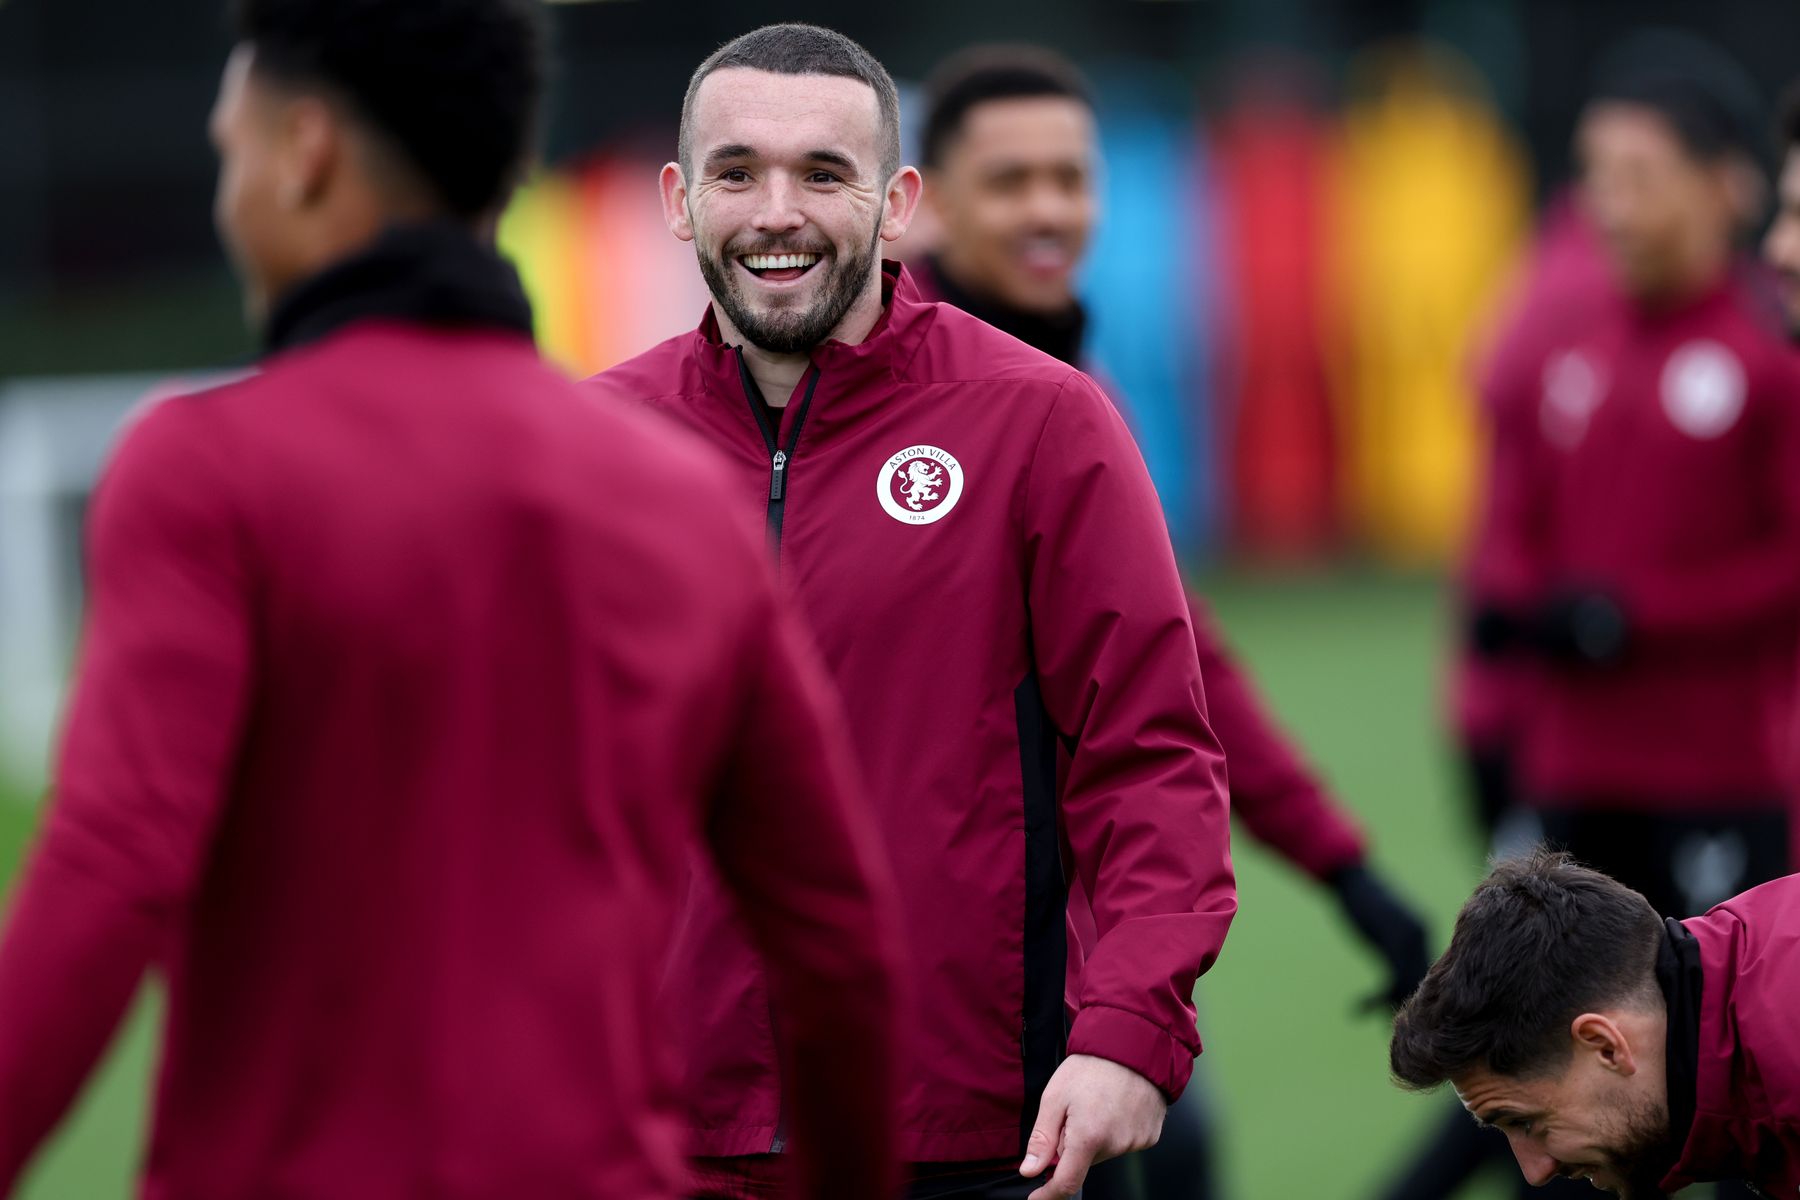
(1131,1041)
(1336,850)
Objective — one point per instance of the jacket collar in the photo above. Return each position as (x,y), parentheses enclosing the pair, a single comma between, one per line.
(1679,976)
(1060,335)
(432,273)
(850,377)
(1704,1150)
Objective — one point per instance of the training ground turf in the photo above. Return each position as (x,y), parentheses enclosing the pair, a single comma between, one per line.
(1350,663)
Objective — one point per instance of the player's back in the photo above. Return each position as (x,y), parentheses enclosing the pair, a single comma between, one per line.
(490,621)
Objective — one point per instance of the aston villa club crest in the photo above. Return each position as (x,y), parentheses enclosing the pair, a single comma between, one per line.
(1703,389)
(919,485)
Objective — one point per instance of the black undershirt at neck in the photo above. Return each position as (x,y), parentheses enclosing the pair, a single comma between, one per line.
(431,273)
(1056,334)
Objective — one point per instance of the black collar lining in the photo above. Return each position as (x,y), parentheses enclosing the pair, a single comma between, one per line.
(434,273)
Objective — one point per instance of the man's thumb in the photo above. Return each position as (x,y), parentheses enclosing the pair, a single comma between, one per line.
(1045,1134)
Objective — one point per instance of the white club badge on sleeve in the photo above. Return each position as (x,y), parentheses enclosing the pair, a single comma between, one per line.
(1703,389)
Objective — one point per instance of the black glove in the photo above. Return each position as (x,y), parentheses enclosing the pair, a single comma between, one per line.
(1581,627)
(1496,632)
(1390,927)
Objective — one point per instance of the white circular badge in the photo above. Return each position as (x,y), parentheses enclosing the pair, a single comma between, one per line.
(1703,389)
(1572,390)
(919,485)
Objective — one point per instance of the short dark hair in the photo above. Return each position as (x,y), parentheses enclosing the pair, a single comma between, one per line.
(454,86)
(1542,940)
(797,49)
(1703,94)
(985,73)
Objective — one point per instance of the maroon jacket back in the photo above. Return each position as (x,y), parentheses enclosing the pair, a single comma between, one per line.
(972,537)
(410,679)
(1747,1110)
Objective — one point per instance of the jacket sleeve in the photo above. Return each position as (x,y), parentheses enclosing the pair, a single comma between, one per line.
(142,774)
(1272,792)
(1756,587)
(796,844)
(1143,800)
(1504,566)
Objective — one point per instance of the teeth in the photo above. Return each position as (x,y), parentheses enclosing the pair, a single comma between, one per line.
(778,262)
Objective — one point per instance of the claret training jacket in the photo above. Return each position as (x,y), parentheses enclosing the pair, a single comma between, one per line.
(973,539)
(391,735)
(1743,1076)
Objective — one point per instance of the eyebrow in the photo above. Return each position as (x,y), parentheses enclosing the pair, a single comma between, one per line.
(1494,1116)
(728,153)
(836,158)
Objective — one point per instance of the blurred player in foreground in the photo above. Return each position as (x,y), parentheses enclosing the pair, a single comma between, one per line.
(393,730)
(974,540)
(1609,1044)
(1009,152)
(1656,514)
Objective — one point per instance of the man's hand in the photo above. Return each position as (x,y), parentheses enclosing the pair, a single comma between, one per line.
(1582,627)
(1093,1109)
(1390,926)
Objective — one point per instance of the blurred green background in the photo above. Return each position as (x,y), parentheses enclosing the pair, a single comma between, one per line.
(1351,664)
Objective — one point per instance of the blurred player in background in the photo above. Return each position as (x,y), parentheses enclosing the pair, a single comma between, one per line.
(410,680)
(1566,280)
(1009,151)
(970,531)
(1647,506)
(1609,1044)
(1782,245)
(1658,515)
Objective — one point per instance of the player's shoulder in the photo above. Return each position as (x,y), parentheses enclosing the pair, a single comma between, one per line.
(184,414)
(672,473)
(665,369)
(176,446)
(959,348)
(669,454)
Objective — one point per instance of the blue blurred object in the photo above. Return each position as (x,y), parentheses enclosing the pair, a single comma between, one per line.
(1149,289)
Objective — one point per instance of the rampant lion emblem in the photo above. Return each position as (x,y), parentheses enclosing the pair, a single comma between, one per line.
(920,479)
(919,485)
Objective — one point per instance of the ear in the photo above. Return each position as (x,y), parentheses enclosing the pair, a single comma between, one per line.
(1602,1037)
(312,148)
(1747,189)
(901,202)
(931,203)
(675,202)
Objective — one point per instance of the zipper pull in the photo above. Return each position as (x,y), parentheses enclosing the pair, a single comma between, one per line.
(778,475)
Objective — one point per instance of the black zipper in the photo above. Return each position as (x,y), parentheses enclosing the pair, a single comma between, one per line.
(780,459)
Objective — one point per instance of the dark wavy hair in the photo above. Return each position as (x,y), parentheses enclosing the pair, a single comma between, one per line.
(1542,940)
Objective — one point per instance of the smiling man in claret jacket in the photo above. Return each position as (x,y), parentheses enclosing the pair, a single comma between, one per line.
(971,535)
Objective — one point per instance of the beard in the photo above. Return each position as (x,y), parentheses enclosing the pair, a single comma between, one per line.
(789,330)
(1643,1151)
